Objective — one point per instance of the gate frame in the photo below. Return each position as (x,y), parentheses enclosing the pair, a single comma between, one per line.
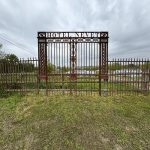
(43,40)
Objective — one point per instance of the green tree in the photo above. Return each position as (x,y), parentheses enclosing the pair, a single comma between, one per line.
(115,66)
(9,63)
(2,54)
(65,69)
(50,68)
(146,66)
(11,58)
(131,66)
(25,67)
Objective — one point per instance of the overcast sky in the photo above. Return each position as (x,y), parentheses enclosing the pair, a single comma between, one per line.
(127,21)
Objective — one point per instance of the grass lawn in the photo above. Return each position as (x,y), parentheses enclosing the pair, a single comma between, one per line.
(74,123)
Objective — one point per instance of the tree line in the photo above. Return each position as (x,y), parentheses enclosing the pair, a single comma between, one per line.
(10,63)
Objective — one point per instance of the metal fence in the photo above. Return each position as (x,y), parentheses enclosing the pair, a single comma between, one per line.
(125,76)
(72,55)
(129,76)
(18,76)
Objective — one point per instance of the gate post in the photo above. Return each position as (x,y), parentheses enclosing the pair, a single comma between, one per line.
(73,64)
(42,58)
(103,62)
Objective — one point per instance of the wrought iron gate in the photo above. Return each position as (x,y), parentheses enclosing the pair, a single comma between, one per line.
(73,62)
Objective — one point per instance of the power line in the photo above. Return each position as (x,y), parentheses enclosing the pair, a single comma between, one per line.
(11,42)
(20,47)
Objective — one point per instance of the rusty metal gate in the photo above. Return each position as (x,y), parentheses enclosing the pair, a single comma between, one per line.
(73,62)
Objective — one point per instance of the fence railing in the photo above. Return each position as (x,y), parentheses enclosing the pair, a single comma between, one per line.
(128,76)
(125,76)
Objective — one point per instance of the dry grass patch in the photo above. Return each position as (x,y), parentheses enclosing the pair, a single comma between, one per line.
(74,122)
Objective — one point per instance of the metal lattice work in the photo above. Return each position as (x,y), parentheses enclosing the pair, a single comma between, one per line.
(73,61)
(42,54)
(104,56)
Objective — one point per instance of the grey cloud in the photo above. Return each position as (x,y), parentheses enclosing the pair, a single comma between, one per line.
(127,22)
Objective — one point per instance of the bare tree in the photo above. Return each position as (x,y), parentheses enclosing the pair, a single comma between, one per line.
(2,54)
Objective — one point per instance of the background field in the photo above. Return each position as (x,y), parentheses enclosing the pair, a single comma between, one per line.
(74,123)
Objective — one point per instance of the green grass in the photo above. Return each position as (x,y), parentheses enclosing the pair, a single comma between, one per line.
(74,123)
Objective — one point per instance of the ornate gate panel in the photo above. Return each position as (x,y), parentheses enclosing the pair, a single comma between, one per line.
(73,62)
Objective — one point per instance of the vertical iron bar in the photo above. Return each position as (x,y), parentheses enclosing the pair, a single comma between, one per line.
(100,48)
